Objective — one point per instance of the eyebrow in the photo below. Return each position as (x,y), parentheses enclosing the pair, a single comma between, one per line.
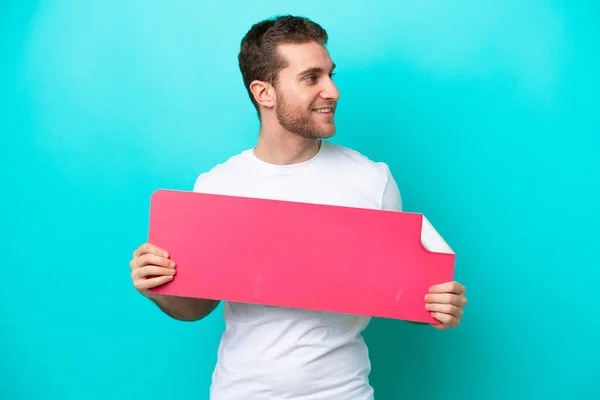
(316,70)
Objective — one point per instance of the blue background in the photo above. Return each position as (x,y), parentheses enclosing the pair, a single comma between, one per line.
(486,112)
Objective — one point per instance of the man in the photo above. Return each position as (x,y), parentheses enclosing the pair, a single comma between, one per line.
(275,352)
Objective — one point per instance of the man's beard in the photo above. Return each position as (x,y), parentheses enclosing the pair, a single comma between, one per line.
(300,124)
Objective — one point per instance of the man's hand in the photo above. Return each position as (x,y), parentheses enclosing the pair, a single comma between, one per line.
(150,267)
(446,302)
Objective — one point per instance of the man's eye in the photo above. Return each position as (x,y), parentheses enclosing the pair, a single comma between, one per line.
(310,78)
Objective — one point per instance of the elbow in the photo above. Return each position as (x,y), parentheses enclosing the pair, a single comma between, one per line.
(200,311)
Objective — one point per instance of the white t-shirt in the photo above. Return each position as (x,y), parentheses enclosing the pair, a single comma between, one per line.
(281,353)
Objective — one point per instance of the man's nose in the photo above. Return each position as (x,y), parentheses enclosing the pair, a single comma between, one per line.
(330,91)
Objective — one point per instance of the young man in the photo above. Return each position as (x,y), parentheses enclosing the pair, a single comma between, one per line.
(275,352)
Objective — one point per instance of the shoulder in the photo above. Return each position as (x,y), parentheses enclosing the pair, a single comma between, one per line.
(221,174)
(375,177)
(355,162)
(347,157)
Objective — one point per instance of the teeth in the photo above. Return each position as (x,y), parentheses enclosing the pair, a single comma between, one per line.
(323,110)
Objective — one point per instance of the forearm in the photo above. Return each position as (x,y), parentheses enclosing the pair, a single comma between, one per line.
(183,308)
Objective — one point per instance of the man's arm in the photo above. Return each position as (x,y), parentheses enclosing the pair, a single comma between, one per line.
(151,267)
(183,308)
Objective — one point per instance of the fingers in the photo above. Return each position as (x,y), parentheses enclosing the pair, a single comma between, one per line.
(151,270)
(450,309)
(447,320)
(151,267)
(445,302)
(151,276)
(148,248)
(144,284)
(151,259)
(448,287)
(447,298)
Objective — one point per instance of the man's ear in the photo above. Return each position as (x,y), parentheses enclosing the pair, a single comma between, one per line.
(263,93)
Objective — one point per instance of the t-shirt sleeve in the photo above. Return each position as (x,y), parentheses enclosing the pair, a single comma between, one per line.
(202,183)
(198,184)
(392,199)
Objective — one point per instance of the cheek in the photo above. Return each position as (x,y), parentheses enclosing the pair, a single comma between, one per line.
(299,99)
(301,104)
(304,96)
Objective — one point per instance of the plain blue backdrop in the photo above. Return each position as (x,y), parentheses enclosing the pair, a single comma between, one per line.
(487,113)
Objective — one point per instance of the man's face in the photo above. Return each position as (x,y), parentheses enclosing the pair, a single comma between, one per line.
(306,95)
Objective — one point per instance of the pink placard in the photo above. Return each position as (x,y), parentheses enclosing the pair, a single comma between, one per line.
(297,255)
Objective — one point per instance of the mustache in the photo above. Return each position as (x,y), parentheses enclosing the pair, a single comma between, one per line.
(327,105)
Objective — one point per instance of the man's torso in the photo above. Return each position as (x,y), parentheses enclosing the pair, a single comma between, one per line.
(274,352)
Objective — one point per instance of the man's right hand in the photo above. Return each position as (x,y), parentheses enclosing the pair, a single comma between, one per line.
(150,267)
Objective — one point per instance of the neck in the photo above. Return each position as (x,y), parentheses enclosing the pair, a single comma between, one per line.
(280,147)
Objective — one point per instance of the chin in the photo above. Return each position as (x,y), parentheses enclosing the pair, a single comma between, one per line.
(321,134)
(330,132)
(327,135)
(327,130)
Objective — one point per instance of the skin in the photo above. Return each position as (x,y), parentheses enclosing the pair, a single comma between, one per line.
(289,133)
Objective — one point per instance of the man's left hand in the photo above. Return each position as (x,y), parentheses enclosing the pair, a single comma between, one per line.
(446,302)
